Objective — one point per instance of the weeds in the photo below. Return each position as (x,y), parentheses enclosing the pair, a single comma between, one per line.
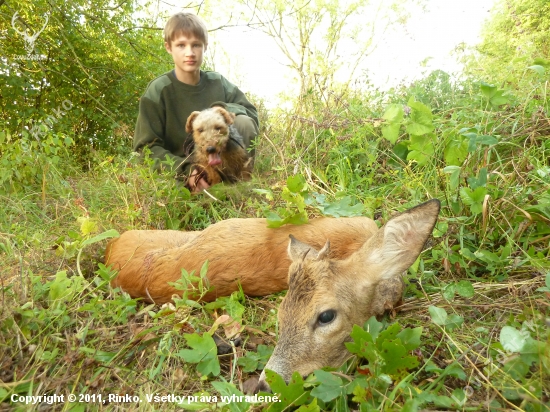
(471,335)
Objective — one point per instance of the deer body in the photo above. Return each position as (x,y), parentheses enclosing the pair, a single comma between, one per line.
(241,251)
(327,296)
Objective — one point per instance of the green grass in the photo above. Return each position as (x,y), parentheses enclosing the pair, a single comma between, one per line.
(475,292)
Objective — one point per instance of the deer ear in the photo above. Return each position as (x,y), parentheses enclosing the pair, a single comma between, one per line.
(298,251)
(190,120)
(398,243)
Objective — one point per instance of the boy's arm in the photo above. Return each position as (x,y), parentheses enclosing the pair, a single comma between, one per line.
(236,102)
(149,133)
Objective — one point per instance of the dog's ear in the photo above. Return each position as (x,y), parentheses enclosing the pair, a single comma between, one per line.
(227,116)
(190,120)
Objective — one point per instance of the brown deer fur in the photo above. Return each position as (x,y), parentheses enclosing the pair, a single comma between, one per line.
(352,289)
(241,251)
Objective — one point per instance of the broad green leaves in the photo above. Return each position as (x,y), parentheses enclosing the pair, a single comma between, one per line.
(441,318)
(203,352)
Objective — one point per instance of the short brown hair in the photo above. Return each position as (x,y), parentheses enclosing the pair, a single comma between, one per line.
(186,23)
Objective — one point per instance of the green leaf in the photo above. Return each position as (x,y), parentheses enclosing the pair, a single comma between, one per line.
(292,394)
(102,236)
(274,220)
(204,353)
(454,178)
(394,113)
(362,345)
(296,183)
(391,132)
(454,370)
(373,327)
(411,405)
(511,339)
(421,119)
(456,151)
(87,226)
(229,389)
(421,148)
(454,321)
(449,292)
(465,289)
(439,315)
(397,358)
(330,388)
(247,363)
(312,407)
(343,208)
(410,337)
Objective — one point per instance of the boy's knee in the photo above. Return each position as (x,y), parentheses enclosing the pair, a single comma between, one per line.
(248,129)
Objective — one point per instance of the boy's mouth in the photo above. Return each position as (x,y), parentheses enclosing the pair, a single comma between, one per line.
(214,159)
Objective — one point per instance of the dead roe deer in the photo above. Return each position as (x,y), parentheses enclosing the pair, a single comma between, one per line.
(241,251)
(327,296)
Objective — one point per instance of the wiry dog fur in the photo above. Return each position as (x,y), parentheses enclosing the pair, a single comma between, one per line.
(219,153)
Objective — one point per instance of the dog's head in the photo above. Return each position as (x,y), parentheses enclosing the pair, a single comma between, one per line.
(210,130)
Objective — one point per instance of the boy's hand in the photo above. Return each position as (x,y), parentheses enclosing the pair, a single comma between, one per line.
(197,183)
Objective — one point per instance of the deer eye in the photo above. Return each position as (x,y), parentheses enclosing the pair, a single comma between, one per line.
(326,317)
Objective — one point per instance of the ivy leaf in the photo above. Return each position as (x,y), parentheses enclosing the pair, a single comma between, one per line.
(87,226)
(312,407)
(373,327)
(397,358)
(330,388)
(512,340)
(421,148)
(456,151)
(292,394)
(204,353)
(410,337)
(421,119)
(296,183)
(362,345)
(394,113)
(389,334)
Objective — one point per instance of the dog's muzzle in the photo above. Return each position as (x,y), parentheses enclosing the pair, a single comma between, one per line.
(210,150)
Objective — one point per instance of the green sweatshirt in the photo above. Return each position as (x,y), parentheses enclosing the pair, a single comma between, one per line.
(166,105)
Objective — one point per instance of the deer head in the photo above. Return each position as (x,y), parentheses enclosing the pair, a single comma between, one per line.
(29,38)
(327,297)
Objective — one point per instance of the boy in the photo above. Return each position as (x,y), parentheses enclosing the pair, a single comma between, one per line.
(170,99)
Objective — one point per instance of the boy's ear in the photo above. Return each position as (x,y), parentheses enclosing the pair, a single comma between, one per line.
(168,47)
(190,120)
(227,116)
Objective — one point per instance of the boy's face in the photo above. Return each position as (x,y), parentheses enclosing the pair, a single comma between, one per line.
(187,52)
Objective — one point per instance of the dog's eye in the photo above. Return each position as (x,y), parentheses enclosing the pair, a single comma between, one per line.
(326,317)
(201,130)
(218,128)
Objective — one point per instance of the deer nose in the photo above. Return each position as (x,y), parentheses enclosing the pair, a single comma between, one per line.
(210,150)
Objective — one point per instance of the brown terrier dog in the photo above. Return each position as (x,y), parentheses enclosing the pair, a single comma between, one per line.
(219,153)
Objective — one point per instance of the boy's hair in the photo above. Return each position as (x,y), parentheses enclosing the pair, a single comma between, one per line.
(186,23)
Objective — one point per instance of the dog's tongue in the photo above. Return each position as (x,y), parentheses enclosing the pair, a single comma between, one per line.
(214,159)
